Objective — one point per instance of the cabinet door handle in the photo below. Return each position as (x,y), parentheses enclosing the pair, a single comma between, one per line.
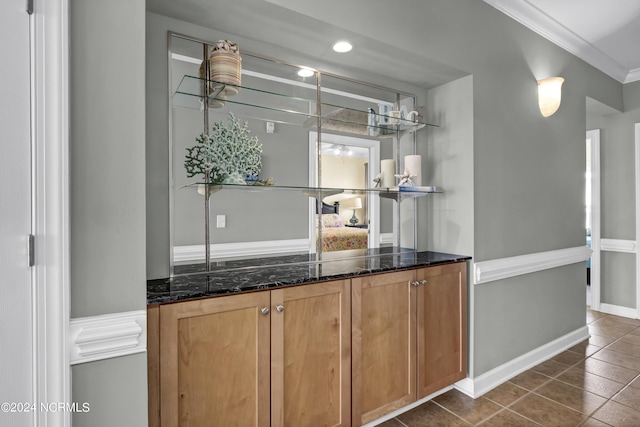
(280,308)
(423,282)
(264,310)
(416,283)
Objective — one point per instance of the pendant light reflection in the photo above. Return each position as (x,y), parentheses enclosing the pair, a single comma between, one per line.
(306,72)
(342,150)
(549,95)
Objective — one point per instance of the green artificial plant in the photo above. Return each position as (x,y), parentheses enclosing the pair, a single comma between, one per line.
(228,154)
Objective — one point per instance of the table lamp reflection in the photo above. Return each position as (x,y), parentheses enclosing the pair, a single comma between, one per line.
(353,203)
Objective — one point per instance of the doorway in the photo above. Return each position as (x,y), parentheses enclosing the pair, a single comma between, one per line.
(592,217)
(369,152)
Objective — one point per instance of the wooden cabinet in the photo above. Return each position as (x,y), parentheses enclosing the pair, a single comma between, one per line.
(311,355)
(214,362)
(279,358)
(442,326)
(329,354)
(409,337)
(384,344)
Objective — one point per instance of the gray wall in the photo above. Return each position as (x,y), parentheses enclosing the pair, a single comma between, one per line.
(631,96)
(617,164)
(618,213)
(107,167)
(528,171)
(447,219)
(617,155)
(516,315)
(115,389)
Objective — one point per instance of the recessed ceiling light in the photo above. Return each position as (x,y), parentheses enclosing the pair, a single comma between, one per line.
(305,72)
(342,46)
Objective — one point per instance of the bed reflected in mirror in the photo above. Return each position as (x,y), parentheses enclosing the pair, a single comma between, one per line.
(350,219)
(338,235)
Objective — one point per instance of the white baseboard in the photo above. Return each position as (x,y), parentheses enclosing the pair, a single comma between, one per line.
(250,249)
(619,310)
(243,249)
(106,336)
(503,268)
(476,387)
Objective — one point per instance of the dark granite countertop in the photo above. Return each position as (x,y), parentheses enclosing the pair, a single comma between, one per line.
(227,277)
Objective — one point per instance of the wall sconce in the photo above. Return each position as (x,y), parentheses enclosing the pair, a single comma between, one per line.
(549,95)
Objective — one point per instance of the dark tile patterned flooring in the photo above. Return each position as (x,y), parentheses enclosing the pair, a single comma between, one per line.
(595,383)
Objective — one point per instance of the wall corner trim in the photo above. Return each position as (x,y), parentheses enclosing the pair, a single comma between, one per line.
(106,336)
(476,387)
(503,268)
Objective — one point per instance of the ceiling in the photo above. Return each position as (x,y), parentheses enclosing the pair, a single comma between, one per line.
(604,33)
(306,40)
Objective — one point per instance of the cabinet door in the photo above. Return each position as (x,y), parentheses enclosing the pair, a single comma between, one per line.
(442,327)
(214,361)
(384,332)
(311,355)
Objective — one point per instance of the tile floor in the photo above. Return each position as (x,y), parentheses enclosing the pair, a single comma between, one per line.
(595,383)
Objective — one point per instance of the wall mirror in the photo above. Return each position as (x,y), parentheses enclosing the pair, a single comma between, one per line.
(323,140)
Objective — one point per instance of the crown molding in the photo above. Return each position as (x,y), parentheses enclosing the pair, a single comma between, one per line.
(633,76)
(538,21)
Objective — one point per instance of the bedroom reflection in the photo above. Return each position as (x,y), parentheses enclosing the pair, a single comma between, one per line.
(345,218)
(350,220)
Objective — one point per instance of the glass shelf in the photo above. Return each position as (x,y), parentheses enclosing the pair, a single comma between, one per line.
(274,91)
(395,193)
(299,111)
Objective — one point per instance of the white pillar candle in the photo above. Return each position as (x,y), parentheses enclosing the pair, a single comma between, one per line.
(388,169)
(413,164)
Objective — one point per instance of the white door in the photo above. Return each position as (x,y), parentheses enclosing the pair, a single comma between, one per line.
(16,325)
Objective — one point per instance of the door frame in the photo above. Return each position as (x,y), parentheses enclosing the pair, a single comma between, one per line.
(51,273)
(593,138)
(374,169)
(637,194)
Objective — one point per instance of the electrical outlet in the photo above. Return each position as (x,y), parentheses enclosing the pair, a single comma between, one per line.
(271,127)
(221,221)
